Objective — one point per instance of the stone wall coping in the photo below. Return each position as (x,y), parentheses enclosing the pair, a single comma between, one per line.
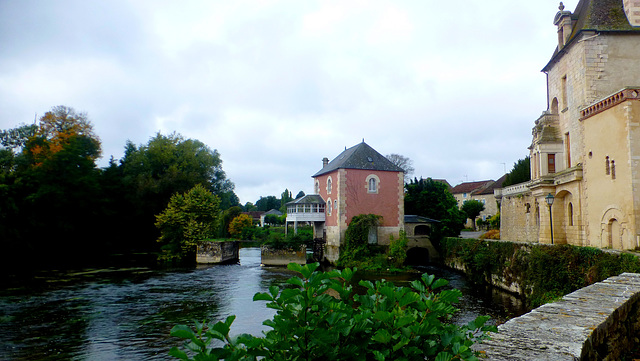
(576,327)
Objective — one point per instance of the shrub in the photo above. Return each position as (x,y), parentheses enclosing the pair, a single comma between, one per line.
(238,224)
(385,323)
(492,234)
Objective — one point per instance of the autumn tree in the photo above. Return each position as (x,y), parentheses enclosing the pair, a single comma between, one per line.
(472,209)
(403,162)
(188,219)
(238,224)
(51,186)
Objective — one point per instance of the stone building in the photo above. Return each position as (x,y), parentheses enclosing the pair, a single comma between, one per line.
(481,191)
(585,147)
(360,181)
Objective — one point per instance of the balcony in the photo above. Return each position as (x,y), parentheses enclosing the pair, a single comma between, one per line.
(309,208)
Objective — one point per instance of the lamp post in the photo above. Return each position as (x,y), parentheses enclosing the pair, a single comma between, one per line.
(549,198)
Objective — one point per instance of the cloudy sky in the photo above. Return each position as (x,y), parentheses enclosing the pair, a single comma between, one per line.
(275,86)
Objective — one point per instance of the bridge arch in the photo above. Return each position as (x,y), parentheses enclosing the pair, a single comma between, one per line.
(417,256)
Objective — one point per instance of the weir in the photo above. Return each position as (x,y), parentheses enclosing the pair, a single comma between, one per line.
(598,322)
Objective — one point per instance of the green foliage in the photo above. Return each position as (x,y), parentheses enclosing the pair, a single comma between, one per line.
(238,224)
(472,209)
(285,198)
(398,250)
(356,248)
(277,240)
(274,219)
(188,219)
(520,173)
(545,272)
(227,216)
(265,204)
(320,318)
(428,198)
(494,221)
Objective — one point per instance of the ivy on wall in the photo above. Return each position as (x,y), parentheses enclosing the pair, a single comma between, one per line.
(544,272)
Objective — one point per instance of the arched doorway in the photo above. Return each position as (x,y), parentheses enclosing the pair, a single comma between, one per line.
(614,234)
(417,256)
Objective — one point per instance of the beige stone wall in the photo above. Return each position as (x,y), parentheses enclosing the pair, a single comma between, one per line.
(612,194)
(520,218)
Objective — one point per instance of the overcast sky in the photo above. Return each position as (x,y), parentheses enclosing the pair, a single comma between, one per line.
(275,86)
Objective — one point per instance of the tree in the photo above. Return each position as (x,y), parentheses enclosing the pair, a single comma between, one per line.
(227,216)
(166,165)
(428,198)
(472,209)
(188,219)
(300,195)
(239,223)
(403,162)
(50,186)
(286,198)
(268,203)
(248,207)
(520,173)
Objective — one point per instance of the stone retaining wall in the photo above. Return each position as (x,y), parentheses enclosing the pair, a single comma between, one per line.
(282,257)
(218,252)
(598,322)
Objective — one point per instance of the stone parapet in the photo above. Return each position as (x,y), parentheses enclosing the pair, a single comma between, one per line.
(218,252)
(598,322)
(282,257)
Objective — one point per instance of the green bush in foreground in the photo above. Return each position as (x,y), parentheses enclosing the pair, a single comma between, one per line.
(321,318)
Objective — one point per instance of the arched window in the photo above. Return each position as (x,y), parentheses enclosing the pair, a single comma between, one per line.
(373,183)
(607,169)
(329,186)
(613,169)
(317,190)
(554,106)
(329,207)
(570,213)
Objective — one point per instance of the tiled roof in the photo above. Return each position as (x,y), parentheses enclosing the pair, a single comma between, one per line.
(469,187)
(495,185)
(273,211)
(308,199)
(360,156)
(418,219)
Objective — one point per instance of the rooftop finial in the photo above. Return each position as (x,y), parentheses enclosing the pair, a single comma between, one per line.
(561,7)
(362,140)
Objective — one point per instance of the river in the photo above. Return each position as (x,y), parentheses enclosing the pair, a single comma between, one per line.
(127,313)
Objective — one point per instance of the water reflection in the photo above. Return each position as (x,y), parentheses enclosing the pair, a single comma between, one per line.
(126,314)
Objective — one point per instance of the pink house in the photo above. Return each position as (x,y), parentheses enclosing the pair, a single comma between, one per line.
(360,181)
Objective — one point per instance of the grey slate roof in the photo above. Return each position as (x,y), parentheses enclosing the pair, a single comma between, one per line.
(308,199)
(360,156)
(273,211)
(418,219)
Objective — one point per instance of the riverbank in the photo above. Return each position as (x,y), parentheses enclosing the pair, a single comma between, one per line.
(539,273)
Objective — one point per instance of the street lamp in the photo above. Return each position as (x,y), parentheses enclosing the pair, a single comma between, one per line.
(549,198)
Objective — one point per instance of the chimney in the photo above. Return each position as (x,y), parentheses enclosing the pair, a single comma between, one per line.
(565,25)
(325,161)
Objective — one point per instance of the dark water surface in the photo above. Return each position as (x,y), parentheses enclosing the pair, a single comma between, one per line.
(126,314)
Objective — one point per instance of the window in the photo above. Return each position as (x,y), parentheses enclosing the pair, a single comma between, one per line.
(613,169)
(564,92)
(567,149)
(551,163)
(464,195)
(329,207)
(329,186)
(607,167)
(335,204)
(317,190)
(372,183)
(570,213)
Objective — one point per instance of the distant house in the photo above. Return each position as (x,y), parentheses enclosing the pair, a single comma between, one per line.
(264,214)
(255,216)
(481,191)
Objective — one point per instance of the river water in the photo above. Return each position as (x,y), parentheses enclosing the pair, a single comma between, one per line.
(127,313)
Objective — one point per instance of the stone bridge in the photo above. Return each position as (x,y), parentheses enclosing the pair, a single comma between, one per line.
(419,247)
